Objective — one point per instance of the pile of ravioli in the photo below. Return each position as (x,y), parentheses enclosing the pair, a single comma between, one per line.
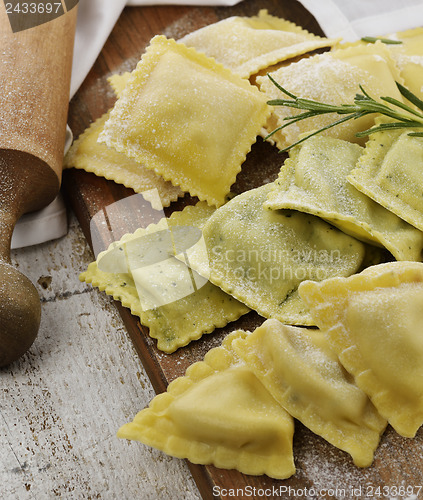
(344,381)
(308,250)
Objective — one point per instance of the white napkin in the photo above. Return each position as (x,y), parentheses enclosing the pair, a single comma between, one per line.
(47,224)
(349,19)
(354,19)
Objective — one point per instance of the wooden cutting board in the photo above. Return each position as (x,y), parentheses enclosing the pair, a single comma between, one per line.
(322,470)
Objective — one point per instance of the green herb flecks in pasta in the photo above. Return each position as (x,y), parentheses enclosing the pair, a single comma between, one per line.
(259,256)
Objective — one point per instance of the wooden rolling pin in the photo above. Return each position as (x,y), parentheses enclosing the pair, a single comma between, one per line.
(35,69)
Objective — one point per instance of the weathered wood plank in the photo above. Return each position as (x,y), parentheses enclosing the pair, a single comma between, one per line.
(62,403)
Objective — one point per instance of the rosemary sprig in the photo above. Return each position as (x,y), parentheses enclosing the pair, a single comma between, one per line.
(373,39)
(404,115)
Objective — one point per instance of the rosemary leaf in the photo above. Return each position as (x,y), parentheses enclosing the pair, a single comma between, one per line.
(410,96)
(389,126)
(276,84)
(401,105)
(388,41)
(284,102)
(290,120)
(365,93)
(363,105)
(325,108)
(333,124)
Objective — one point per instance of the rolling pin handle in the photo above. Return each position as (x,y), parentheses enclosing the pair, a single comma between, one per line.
(20,314)
(34,99)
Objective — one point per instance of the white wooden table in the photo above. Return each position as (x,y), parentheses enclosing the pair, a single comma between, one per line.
(62,403)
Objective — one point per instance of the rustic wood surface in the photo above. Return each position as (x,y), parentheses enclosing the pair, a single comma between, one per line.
(325,471)
(62,403)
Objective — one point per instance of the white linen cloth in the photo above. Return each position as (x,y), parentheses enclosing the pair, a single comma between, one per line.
(348,19)
(354,19)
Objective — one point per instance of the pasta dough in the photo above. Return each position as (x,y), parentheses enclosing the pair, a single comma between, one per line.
(300,370)
(247,45)
(219,413)
(333,77)
(87,154)
(176,304)
(409,58)
(260,256)
(118,82)
(390,173)
(373,321)
(314,180)
(187,118)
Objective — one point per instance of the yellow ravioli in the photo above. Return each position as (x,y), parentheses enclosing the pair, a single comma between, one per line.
(187,118)
(118,82)
(175,303)
(314,180)
(390,173)
(247,45)
(300,370)
(88,154)
(219,413)
(409,58)
(374,322)
(333,77)
(260,256)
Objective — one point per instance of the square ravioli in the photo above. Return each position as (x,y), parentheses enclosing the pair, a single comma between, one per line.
(88,154)
(142,272)
(407,51)
(314,180)
(260,256)
(301,371)
(188,118)
(409,58)
(389,172)
(219,413)
(247,45)
(374,322)
(333,78)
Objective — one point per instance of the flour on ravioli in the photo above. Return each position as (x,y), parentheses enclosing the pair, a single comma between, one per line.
(373,321)
(219,413)
(333,78)
(174,302)
(247,45)
(188,118)
(260,256)
(299,368)
(314,180)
